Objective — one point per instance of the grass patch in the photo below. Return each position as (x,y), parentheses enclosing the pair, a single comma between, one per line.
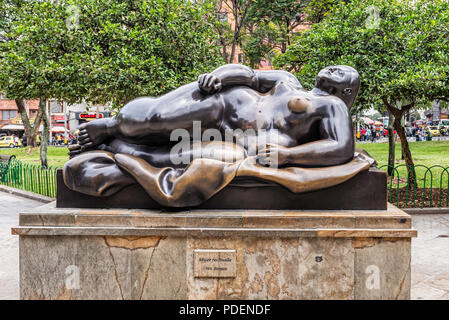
(427,153)
(56,156)
(431,160)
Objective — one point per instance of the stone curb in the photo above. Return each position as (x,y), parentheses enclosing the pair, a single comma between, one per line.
(426,210)
(26,194)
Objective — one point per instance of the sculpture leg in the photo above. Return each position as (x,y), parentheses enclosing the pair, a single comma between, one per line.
(178,156)
(214,166)
(151,121)
(180,187)
(95,173)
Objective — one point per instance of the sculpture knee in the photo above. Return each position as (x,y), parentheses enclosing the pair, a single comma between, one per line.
(95,173)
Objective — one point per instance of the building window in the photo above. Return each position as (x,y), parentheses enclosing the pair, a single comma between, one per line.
(8,114)
(222,17)
(55,107)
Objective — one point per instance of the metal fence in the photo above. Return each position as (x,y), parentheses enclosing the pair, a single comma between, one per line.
(29,177)
(430,188)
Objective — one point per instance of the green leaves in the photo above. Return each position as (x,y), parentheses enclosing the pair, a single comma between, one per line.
(405,56)
(271,24)
(116,51)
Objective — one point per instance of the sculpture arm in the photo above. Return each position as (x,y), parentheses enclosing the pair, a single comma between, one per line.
(235,75)
(335,146)
(267,79)
(239,75)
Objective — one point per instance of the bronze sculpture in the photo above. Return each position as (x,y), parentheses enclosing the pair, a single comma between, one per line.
(307,138)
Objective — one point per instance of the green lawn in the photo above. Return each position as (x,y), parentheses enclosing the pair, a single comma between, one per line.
(426,153)
(56,156)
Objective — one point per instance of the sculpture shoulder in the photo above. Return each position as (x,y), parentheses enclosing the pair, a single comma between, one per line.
(266,79)
(330,106)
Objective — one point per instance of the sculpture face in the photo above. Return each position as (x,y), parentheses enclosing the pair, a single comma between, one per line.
(341,81)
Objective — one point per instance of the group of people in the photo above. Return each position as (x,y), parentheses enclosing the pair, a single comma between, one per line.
(60,140)
(423,134)
(368,134)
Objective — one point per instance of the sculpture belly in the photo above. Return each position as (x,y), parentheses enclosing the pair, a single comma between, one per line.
(253,120)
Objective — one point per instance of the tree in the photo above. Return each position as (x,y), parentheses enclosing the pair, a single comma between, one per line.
(316,10)
(230,35)
(31,130)
(271,24)
(135,48)
(10,14)
(104,51)
(400,48)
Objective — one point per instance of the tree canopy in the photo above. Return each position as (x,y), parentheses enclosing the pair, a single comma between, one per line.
(106,51)
(399,47)
(270,26)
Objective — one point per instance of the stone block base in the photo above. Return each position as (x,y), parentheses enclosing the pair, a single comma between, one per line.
(144,254)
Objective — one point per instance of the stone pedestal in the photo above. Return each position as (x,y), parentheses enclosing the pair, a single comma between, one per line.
(211,254)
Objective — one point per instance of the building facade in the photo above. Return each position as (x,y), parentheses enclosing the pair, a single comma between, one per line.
(64,119)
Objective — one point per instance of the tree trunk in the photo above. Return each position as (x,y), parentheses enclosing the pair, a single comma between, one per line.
(35,132)
(30,131)
(20,103)
(406,150)
(391,145)
(44,140)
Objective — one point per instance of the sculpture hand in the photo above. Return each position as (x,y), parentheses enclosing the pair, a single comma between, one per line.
(209,83)
(273,155)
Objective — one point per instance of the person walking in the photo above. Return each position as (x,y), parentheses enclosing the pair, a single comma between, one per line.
(16,140)
(368,134)
(363,133)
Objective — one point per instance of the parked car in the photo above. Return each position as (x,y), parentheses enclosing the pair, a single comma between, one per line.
(434,131)
(8,141)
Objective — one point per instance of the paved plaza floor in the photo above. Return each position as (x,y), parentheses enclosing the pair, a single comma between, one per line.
(10,207)
(430,251)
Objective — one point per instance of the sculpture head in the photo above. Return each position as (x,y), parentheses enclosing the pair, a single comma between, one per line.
(340,81)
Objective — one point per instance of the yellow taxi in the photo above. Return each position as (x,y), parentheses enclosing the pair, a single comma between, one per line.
(434,131)
(8,141)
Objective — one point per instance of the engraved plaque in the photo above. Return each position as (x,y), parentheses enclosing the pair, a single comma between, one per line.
(212,263)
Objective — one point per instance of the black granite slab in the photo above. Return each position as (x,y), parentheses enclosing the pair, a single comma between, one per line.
(366,191)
